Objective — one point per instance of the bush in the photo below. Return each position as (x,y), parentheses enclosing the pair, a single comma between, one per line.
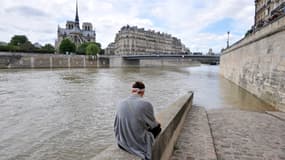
(48,48)
(4,48)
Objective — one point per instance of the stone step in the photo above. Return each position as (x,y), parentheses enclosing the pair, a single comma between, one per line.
(195,140)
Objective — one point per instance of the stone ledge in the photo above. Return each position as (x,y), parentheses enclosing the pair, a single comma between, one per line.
(171,119)
(279,115)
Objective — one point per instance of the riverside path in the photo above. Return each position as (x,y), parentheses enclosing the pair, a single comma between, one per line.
(231,135)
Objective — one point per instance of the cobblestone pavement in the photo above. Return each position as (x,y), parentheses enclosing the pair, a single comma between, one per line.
(237,135)
(247,135)
(195,140)
(280,115)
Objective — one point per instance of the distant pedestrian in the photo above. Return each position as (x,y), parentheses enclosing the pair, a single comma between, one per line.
(135,124)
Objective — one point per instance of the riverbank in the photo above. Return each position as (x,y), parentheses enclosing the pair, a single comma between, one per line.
(34,61)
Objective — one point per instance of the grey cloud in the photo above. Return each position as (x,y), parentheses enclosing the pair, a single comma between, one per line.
(27,11)
(2,29)
(39,30)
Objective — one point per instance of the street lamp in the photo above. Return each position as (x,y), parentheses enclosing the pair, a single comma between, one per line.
(228,41)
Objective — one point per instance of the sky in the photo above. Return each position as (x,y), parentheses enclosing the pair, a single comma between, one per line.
(199,24)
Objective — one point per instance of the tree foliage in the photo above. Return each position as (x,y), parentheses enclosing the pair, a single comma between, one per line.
(66,46)
(92,49)
(27,47)
(20,43)
(18,40)
(4,48)
(101,52)
(48,48)
(98,44)
(82,48)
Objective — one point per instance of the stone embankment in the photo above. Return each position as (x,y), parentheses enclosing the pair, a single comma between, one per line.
(33,61)
(230,135)
(26,60)
(257,64)
(171,119)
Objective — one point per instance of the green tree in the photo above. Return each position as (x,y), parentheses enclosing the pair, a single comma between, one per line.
(20,43)
(4,48)
(48,48)
(13,48)
(82,48)
(66,46)
(27,47)
(101,52)
(92,49)
(98,44)
(18,40)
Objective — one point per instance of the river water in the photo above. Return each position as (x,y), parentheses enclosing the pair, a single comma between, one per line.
(68,114)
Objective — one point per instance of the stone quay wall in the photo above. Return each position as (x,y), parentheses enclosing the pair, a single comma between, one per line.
(30,61)
(27,60)
(172,119)
(257,64)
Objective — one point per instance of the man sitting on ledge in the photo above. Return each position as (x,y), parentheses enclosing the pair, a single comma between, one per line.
(135,125)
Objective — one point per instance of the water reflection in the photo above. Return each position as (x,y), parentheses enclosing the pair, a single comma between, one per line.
(68,114)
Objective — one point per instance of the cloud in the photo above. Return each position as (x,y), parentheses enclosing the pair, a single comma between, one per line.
(199,24)
(26,11)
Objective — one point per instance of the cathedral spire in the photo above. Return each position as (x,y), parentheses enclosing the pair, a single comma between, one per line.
(76,16)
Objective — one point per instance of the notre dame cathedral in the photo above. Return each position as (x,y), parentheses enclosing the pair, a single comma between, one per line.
(73,32)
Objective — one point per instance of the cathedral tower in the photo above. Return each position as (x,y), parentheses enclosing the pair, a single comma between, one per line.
(77,24)
(73,32)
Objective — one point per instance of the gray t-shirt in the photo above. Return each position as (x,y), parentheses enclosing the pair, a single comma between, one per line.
(134,116)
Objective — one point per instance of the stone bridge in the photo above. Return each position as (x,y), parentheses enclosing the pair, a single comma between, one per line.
(205,59)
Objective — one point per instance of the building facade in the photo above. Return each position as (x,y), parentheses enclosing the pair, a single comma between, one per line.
(73,32)
(138,41)
(110,50)
(268,10)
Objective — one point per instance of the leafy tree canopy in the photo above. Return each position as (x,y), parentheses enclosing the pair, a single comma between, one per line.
(18,40)
(92,49)
(66,46)
(48,48)
(82,48)
(99,45)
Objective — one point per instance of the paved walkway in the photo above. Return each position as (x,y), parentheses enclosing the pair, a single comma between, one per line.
(195,140)
(231,135)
